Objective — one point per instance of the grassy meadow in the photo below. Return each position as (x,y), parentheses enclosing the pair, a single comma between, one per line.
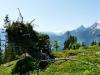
(83,61)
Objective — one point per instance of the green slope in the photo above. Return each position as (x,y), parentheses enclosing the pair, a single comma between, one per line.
(85,61)
(6,69)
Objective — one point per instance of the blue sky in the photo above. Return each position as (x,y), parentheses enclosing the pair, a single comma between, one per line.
(53,15)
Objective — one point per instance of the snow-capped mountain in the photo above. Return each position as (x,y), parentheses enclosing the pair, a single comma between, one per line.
(80,29)
(96,25)
(86,35)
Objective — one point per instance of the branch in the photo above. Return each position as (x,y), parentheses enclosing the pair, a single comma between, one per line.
(20,15)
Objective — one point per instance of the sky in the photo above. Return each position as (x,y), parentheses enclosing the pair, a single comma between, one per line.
(52,15)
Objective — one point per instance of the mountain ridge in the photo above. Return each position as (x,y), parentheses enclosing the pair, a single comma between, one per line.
(83,34)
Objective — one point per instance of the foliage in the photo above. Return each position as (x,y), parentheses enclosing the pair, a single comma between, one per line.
(58,54)
(93,43)
(1,58)
(24,65)
(56,44)
(44,43)
(22,38)
(6,69)
(86,72)
(71,43)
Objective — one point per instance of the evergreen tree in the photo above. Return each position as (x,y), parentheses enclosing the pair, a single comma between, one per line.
(56,45)
(83,44)
(44,44)
(93,43)
(0,53)
(71,43)
(22,38)
(98,43)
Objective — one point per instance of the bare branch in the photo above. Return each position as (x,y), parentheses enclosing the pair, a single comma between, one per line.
(32,21)
(20,15)
(35,25)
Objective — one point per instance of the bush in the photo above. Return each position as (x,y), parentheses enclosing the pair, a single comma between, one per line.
(86,72)
(43,64)
(24,65)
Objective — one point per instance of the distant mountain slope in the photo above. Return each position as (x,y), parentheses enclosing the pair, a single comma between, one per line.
(83,34)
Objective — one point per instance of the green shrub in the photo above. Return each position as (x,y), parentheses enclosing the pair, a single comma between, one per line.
(24,65)
(86,72)
(58,54)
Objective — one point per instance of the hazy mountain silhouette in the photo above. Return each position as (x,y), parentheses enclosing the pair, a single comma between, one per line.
(86,35)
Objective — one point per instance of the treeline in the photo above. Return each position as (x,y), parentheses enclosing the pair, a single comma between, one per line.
(72,42)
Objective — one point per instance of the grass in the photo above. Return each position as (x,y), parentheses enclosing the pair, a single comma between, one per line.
(6,69)
(88,63)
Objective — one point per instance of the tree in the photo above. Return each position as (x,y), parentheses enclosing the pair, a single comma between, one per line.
(22,38)
(98,43)
(83,44)
(44,43)
(0,53)
(56,45)
(25,65)
(71,43)
(93,43)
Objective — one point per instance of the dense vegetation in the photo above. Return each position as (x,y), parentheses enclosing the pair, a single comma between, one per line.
(56,45)
(21,38)
(26,45)
(71,43)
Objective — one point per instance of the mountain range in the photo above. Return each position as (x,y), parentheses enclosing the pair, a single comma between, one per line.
(83,34)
